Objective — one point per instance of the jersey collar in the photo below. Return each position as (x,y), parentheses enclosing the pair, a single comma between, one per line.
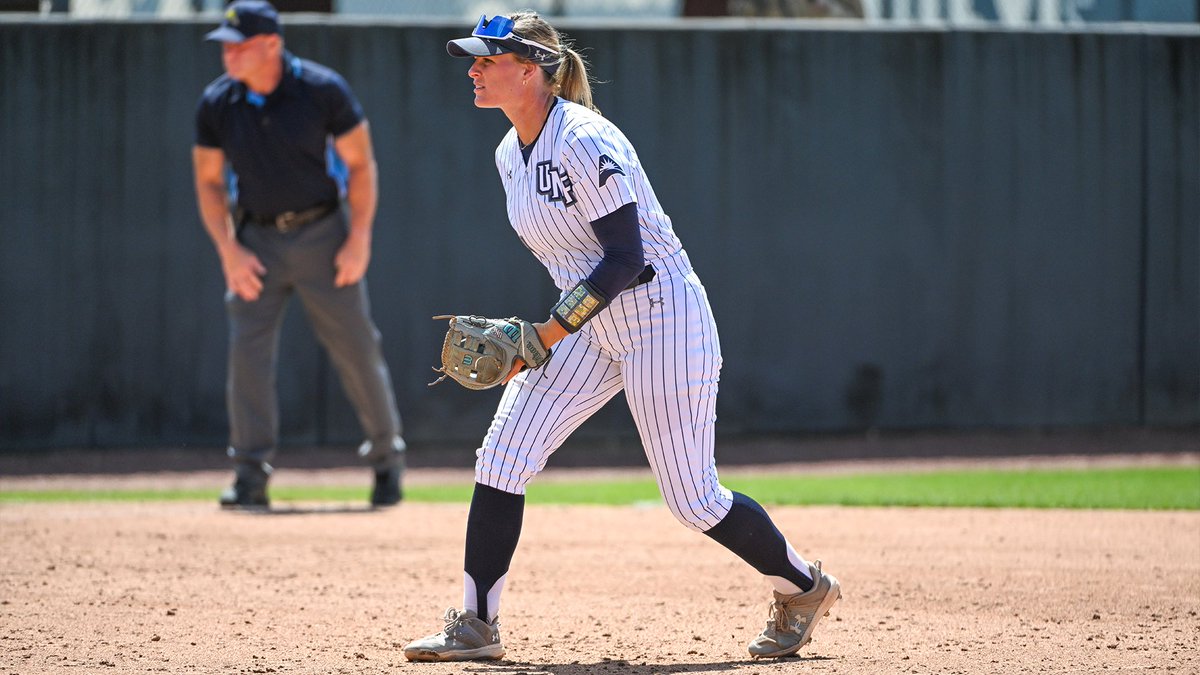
(289,82)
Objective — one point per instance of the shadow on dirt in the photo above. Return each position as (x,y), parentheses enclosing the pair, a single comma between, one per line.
(623,667)
(305,510)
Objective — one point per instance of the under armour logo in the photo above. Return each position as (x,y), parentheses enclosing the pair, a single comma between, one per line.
(554,183)
(655,301)
(510,174)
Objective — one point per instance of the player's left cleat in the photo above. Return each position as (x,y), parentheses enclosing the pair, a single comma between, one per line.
(794,617)
(465,637)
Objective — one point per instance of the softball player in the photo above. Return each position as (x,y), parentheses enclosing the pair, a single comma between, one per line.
(633,315)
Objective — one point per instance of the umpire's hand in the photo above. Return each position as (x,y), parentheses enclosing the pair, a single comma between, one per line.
(243,271)
(350,263)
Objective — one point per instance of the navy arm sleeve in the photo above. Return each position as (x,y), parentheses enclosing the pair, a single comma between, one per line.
(621,236)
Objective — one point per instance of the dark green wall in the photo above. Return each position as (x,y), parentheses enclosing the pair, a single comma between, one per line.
(905,229)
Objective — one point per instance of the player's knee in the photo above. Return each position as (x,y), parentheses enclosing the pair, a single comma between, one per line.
(503,471)
(702,512)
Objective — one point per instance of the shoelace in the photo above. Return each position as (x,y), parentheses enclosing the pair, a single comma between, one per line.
(781,621)
(453,620)
(779,616)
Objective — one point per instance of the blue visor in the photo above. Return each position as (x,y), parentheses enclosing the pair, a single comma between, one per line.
(496,36)
(499,27)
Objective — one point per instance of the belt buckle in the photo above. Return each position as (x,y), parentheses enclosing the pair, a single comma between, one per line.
(286,221)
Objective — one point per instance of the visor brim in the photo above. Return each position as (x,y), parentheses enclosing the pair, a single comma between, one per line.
(471,47)
(225,34)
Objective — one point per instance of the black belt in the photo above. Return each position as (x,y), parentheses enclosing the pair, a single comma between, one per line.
(646,275)
(290,220)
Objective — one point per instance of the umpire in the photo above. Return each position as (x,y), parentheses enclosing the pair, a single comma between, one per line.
(296,141)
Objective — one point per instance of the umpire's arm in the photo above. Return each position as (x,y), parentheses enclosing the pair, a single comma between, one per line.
(362,194)
(242,269)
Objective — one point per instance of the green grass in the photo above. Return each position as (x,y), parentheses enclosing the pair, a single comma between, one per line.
(1143,488)
(1135,488)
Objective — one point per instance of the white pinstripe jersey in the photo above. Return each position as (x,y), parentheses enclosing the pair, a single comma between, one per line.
(582,168)
(657,342)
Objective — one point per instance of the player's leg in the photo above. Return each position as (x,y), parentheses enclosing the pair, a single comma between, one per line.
(251,395)
(540,408)
(341,321)
(803,593)
(537,412)
(671,365)
(671,383)
(493,529)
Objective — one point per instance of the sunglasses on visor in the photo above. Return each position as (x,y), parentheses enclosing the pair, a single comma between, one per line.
(500,28)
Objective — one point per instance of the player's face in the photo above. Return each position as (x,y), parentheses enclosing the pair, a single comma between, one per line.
(497,80)
(245,59)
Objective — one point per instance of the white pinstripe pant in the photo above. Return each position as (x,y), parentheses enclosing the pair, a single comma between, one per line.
(659,342)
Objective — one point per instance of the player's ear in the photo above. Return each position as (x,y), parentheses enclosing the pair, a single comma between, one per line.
(529,72)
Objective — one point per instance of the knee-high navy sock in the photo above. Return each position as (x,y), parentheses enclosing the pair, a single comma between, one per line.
(748,531)
(493,528)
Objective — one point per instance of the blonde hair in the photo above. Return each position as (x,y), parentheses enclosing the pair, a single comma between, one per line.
(571,80)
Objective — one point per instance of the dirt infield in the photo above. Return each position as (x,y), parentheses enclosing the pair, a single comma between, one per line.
(185,588)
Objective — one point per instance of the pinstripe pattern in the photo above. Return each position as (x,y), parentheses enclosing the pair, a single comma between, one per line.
(657,341)
(560,236)
(668,359)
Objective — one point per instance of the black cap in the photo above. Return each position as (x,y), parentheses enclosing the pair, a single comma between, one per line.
(245,19)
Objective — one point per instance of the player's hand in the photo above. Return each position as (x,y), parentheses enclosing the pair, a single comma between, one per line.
(518,366)
(350,263)
(549,333)
(243,272)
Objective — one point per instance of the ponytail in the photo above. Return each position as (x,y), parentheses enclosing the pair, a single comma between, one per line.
(572,82)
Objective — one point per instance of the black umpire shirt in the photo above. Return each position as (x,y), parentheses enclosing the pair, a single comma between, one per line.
(279,146)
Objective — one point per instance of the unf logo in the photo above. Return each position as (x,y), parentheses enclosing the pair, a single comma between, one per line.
(555,184)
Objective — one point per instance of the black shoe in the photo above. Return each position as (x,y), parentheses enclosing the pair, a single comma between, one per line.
(387,490)
(249,489)
(386,457)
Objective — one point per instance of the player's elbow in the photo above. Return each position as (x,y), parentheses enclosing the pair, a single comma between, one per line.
(631,259)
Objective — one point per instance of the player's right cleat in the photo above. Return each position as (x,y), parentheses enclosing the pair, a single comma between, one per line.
(466,637)
(794,617)
(249,489)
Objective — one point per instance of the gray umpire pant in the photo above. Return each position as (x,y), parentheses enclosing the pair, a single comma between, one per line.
(301,262)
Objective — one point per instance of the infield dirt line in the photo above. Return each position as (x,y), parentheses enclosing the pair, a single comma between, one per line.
(350,476)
